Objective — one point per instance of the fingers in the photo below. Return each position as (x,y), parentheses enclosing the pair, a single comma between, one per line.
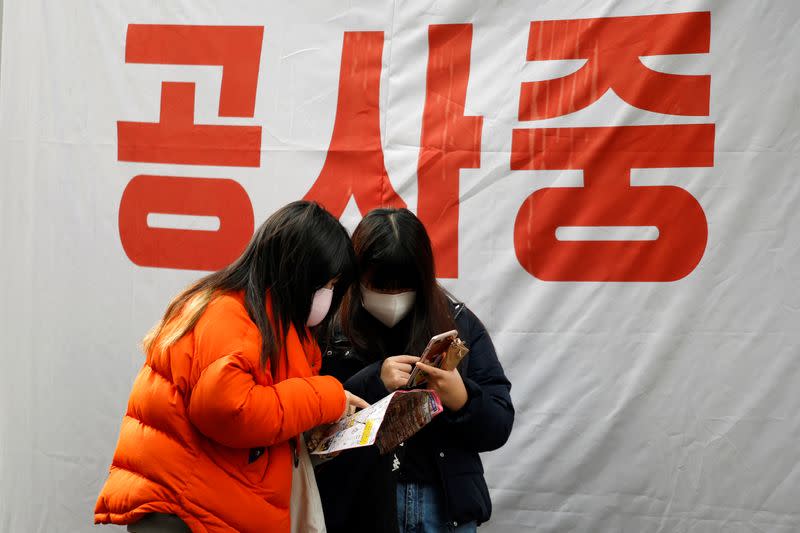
(396,370)
(352,403)
(355,400)
(432,371)
(399,379)
(403,367)
(405,359)
(448,384)
(400,368)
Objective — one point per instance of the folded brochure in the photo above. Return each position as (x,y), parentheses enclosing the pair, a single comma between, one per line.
(386,423)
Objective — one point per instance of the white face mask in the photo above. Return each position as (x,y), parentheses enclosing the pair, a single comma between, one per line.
(388,308)
(320,306)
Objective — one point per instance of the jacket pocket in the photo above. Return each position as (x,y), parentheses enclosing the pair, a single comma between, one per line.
(468,498)
(255,464)
(465,487)
(455,461)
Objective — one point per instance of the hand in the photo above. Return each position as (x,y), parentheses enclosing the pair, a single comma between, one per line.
(353,402)
(447,384)
(396,370)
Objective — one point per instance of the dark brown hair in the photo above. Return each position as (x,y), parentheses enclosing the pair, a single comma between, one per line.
(393,251)
(298,250)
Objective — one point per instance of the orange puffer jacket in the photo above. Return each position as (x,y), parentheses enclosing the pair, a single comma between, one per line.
(199,416)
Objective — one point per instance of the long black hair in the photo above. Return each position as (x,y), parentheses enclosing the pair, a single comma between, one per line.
(393,252)
(298,250)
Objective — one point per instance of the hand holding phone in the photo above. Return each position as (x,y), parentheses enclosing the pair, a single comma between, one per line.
(396,371)
(433,355)
(448,385)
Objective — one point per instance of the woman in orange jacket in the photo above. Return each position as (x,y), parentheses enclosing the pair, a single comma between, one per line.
(230,379)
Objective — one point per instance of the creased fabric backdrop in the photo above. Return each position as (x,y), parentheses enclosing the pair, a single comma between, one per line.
(655,381)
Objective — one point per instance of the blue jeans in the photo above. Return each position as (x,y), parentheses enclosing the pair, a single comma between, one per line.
(420,509)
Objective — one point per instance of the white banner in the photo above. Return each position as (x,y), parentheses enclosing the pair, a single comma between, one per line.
(612,187)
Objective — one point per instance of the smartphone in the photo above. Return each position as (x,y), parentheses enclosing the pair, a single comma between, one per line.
(433,354)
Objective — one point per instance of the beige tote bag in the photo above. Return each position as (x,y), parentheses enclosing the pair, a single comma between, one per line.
(305,506)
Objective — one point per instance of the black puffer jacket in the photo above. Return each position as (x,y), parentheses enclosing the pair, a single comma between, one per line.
(358,487)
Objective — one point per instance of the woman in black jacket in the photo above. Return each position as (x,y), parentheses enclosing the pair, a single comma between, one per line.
(434,481)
